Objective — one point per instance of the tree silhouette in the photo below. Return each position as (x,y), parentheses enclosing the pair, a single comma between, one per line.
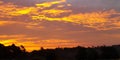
(109,53)
(79,53)
(3,51)
(91,54)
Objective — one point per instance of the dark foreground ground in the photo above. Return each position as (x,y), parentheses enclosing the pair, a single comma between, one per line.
(14,52)
(38,59)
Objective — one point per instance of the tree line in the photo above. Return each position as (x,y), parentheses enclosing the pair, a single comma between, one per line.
(14,52)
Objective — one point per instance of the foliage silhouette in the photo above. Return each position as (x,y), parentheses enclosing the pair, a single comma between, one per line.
(76,53)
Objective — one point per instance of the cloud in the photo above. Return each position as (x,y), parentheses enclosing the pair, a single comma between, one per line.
(54,34)
(98,20)
(60,23)
(3,23)
(49,4)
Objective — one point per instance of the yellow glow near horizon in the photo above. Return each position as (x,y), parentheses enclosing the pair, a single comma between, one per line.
(30,46)
(8,42)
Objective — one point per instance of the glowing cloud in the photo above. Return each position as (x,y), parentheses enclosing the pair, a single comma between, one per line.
(55,12)
(21,11)
(49,4)
(91,19)
(58,23)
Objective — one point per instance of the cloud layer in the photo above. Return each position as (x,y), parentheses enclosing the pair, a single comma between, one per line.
(59,23)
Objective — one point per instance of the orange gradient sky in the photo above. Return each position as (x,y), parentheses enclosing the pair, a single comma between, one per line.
(59,23)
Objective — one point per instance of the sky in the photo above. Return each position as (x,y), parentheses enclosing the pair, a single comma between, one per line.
(59,23)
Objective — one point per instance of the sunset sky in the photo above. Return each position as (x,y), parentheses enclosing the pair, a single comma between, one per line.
(59,23)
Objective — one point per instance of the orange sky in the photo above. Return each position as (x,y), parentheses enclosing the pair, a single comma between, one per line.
(59,23)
